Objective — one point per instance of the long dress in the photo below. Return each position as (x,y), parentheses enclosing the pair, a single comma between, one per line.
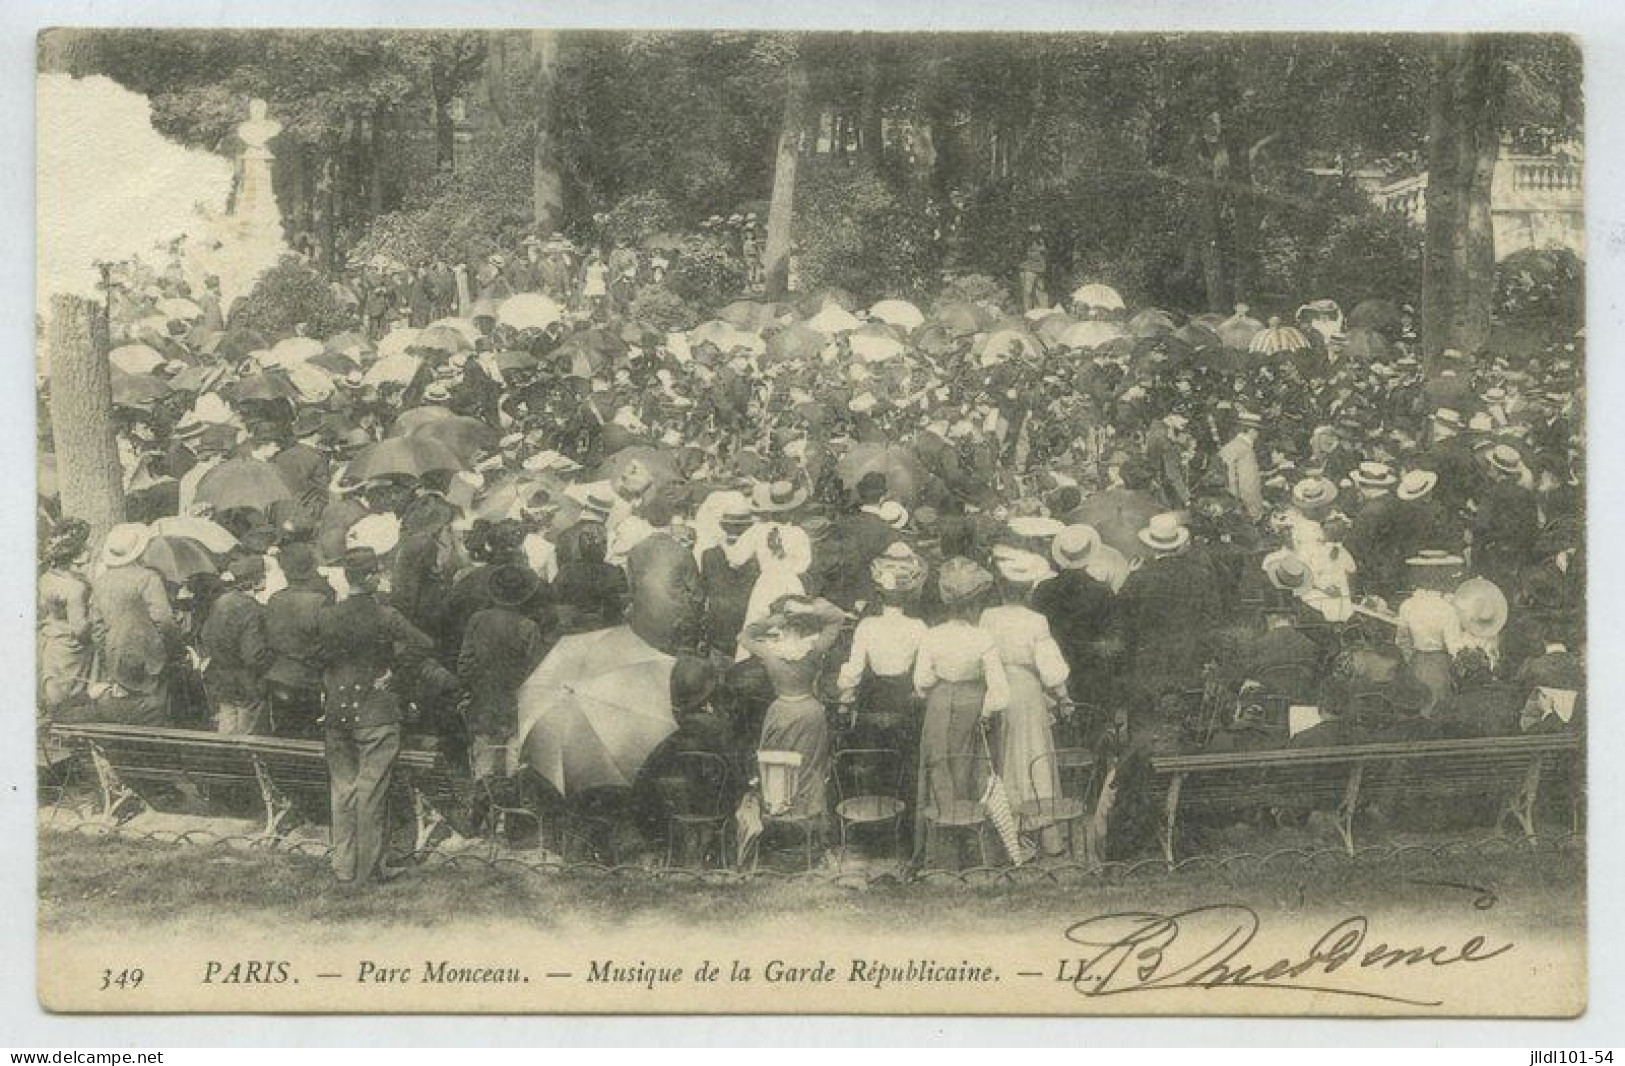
(958,670)
(1032,663)
(64,637)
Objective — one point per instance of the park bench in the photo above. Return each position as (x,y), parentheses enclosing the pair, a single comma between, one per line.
(290,775)
(1341,779)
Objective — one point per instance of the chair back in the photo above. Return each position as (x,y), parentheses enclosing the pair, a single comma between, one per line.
(868,772)
(780,775)
(696,785)
(954,780)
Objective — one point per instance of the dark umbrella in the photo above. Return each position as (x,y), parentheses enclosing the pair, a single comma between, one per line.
(177,558)
(900,465)
(795,341)
(243,482)
(409,422)
(1152,322)
(267,386)
(1365,345)
(660,462)
(1118,515)
(962,318)
(237,343)
(467,437)
(440,339)
(411,456)
(137,390)
(334,363)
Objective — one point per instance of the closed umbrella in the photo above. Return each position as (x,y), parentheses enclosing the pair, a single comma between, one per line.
(468,437)
(595,710)
(243,483)
(212,535)
(135,359)
(900,465)
(1097,297)
(529,310)
(898,313)
(177,558)
(411,456)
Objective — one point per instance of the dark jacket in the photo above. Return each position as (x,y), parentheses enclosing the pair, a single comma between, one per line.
(1170,605)
(727,595)
(291,616)
(664,582)
(1287,663)
(500,650)
(233,639)
(1083,617)
(362,643)
(859,539)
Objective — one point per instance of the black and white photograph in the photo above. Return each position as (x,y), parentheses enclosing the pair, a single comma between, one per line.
(791,521)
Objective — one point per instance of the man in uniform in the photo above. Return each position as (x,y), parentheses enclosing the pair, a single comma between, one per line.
(363,642)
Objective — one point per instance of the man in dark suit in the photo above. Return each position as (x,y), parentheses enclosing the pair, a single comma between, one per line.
(860,538)
(1285,661)
(364,643)
(1083,616)
(1507,522)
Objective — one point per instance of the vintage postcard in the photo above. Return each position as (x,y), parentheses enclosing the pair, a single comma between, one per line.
(745,522)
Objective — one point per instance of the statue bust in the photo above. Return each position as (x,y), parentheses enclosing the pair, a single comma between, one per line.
(258,130)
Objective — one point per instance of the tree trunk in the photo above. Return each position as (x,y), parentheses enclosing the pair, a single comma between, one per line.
(496,78)
(1458,268)
(445,134)
(89,478)
(781,208)
(327,208)
(871,132)
(375,157)
(547,186)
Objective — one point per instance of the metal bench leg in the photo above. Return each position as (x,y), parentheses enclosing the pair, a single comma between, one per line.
(1522,805)
(1170,817)
(120,802)
(427,818)
(1345,812)
(278,807)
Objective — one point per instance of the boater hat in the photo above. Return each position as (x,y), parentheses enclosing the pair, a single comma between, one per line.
(1416,484)
(124,544)
(1314,492)
(1165,533)
(777,497)
(1073,547)
(1482,607)
(1374,476)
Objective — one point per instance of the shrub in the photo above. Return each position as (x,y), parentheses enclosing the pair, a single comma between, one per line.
(638,216)
(976,289)
(663,309)
(856,233)
(1541,287)
(705,274)
(287,295)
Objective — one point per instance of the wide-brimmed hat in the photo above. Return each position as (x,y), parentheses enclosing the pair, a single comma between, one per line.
(1249,418)
(1416,484)
(378,533)
(736,514)
(1448,416)
(893,514)
(124,544)
(1314,492)
(1021,567)
(961,580)
(897,569)
(1504,458)
(1287,572)
(776,497)
(1482,607)
(437,392)
(297,561)
(1073,546)
(634,479)
(359,562)
(1165,532)
(512,585)
(1374,476)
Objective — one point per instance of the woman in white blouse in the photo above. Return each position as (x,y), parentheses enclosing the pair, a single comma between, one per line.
(1036,673)
(876,684)
(958,671)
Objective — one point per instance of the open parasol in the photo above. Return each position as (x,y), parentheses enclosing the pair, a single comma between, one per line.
(467,437)
(211,534)
(177,558)
(243,483)
(411,456)
(441,339)
(595,710)
(900,465)
(529,310)
(898,313)
(1098,297)
(137,390)
(135,359)
(409,422)
(1087,336)
(398,369)
(1118,515)
(1276,339)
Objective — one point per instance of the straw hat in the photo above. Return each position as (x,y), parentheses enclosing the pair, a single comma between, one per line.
(1433,557)
(1482,607)
(1313,492)
(379,532)
(1249,419)
(124,544)
(1287,572)
(1416,484)
(1449,417)
(1021,567)
(1504,458)
(596,506)
(1374,476)
(777,497)
(1073,546)
(735,514)
(894,514)
(1165,533)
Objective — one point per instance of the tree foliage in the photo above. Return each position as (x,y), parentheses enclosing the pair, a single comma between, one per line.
(287,296)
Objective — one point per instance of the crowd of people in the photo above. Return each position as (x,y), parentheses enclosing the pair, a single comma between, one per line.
(968,537)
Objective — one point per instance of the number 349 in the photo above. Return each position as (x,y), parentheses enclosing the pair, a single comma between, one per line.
(122,979)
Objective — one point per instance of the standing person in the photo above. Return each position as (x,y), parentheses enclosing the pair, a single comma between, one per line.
(1508,519)
(133,624)
(960,675)
(1240,458)
(594,285)
(234,643)
(1082,610)
(791,643)
(877,682)
(293,684)
(1170,605)
(501,647)
(64,617)
(728,572)
(664,583)
(363,642)
(1034,271)
(1165,443)
(1429,630)
(1036,674)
